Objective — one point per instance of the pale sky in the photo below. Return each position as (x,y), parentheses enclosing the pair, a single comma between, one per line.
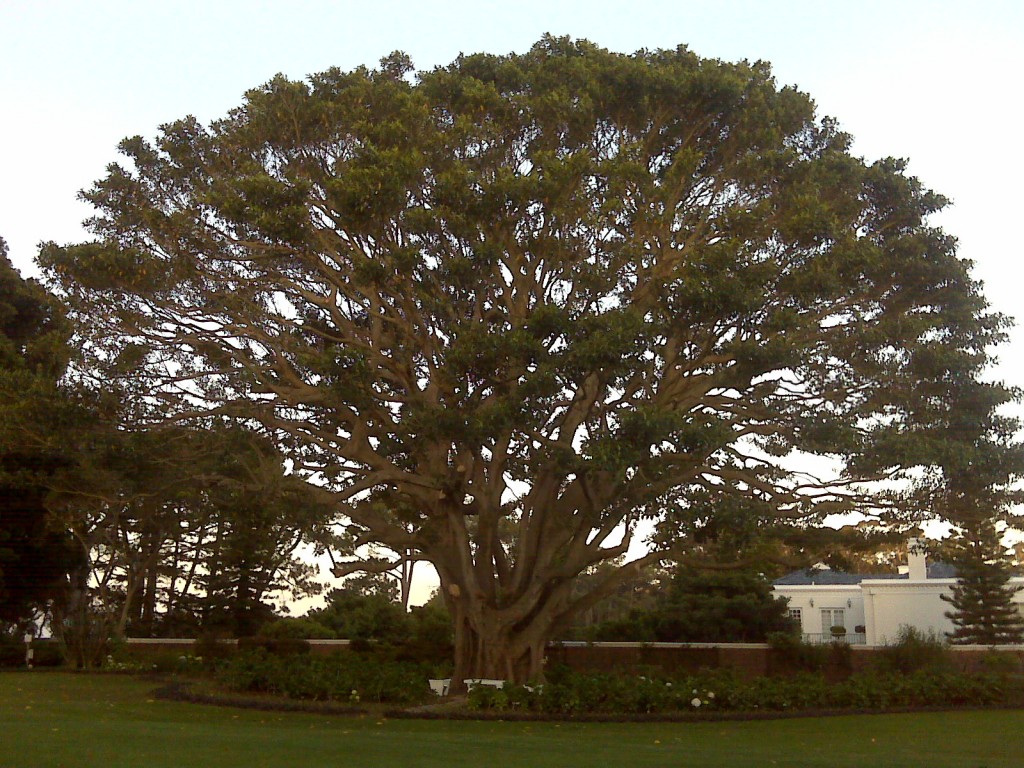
(934,81)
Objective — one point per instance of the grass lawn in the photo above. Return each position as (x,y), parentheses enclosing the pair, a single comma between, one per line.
(61,719)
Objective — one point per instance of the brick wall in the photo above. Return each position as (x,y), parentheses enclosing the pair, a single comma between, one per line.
(747,660)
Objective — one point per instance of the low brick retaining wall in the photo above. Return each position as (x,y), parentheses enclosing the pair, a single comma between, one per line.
(748,660)
(184,645)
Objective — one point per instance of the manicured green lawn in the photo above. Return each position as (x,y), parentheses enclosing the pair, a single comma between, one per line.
(59,719)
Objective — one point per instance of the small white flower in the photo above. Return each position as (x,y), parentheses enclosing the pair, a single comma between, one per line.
(694,690)
(668,685)
(711,694)
(695,702)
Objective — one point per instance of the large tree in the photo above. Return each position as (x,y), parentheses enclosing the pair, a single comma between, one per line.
(36,553)
(502,312)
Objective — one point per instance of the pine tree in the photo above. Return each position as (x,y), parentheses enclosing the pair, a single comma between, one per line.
(984,612)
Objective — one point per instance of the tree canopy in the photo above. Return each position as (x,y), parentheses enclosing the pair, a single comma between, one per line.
(500,313)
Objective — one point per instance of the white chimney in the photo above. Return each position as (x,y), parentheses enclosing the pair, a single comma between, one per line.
(917,567)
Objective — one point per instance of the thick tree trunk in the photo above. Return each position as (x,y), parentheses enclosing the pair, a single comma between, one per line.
(81,634)
(148,600)
(507,603)
(497,655)
(487,646)
(503,636)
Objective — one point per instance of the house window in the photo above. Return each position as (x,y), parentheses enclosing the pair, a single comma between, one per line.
(832,617)
(797,615)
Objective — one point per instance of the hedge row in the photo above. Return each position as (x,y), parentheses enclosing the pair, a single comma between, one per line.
(576,693)
(342,677)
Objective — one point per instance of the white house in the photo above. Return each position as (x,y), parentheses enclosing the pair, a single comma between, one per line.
(871,607)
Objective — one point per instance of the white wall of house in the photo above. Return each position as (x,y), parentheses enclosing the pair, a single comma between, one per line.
(813,601)
(890,604)
(882,606)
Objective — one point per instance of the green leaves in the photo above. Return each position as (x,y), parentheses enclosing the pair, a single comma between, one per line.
(522,223)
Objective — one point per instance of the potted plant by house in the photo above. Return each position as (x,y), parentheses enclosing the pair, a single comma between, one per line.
(838,632)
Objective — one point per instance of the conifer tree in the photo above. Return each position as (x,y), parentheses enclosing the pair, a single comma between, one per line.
(978,498)
(983,609)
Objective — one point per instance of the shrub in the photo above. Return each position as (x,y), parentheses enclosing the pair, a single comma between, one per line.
(212,649)
(341,677)
(840,657)
(304,629)
(278,646)
(12,651)
(46,653)
(1001,663)
(790,654)
(913,651)
(355,616)
(430,640)
(182,661)
(578,693)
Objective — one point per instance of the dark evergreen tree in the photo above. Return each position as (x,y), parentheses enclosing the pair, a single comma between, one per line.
(705,607)
(978,494)
(35,553)
(983,609)
(257,515)
(365,609)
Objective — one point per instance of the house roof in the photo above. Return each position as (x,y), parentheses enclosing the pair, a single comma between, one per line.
(822,577)
(941,571)
(826,577)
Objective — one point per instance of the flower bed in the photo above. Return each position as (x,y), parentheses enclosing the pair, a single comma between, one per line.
(576,693)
